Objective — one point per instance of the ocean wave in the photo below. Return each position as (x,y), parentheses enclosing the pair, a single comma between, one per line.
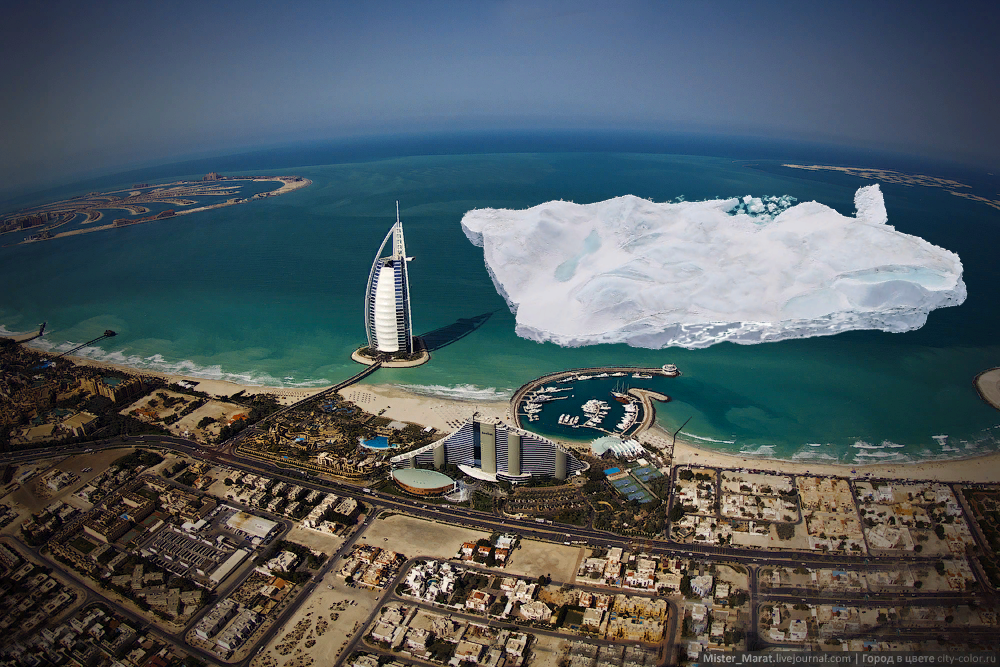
(707,439)
(809,455)
(861,444)
(885,444)
(881,455)
(186,367)
(4,331)
(459,392)
(762,451)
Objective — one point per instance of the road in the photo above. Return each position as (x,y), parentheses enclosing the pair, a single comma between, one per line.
(487,522)
(389,595)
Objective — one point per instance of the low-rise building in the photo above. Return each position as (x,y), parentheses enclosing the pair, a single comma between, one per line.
(216,619)
(536,611)
(478,601)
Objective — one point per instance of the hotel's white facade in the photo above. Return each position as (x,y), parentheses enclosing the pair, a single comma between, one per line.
(387,299)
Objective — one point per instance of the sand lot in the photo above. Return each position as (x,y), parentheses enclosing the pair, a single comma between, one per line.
(314,539)
(28,497)
(416,537)
(553,560)
(321,627)
(188,424)
(546,651)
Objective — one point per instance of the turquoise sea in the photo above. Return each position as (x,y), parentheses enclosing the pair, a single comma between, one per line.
(271,292)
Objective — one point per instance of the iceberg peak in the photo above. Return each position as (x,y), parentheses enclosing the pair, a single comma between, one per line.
(870,205)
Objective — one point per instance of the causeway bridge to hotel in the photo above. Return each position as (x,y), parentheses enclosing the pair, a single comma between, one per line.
(368,370)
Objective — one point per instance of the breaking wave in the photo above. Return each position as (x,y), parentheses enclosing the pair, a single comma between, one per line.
(157,363)
(459,392)
(707,439)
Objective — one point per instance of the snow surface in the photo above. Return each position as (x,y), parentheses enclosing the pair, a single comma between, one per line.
(692,274)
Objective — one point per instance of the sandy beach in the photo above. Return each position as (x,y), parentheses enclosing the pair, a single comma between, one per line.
(984,468)
(447,414)
(286,395)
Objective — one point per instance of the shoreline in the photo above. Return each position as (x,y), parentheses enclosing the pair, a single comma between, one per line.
(444,414)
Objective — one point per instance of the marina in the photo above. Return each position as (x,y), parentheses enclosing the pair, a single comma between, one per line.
(620,410)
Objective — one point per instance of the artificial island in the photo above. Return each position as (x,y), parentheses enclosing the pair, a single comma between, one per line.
(77,214)
(158,520)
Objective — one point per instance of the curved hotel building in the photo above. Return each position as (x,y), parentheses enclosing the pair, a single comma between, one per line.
(496,452)
(387,300)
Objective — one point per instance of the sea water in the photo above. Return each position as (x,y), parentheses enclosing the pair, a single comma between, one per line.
(271,292)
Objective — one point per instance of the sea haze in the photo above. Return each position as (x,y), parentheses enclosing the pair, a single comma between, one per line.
(271,292)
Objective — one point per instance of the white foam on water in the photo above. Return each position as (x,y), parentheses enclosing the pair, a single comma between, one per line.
(187,367)
(812,455)
(762,451)
(707,439)
(460,392)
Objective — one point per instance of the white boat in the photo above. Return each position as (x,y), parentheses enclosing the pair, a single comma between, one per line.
(642,376)
(626,422)
(618,375)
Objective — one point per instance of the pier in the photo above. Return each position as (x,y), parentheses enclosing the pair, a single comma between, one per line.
(107,334)
(329,390)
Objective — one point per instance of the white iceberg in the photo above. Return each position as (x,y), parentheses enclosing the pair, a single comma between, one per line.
(692,274)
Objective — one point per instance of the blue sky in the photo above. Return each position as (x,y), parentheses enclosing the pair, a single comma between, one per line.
(94,86)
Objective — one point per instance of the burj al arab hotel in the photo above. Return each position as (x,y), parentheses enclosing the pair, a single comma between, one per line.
(387,300)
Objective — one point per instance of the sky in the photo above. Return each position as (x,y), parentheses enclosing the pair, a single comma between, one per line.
(101,85)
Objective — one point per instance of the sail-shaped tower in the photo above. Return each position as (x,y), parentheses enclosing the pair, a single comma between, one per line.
(387,300)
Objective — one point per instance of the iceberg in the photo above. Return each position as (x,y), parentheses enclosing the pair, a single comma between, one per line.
(693,274)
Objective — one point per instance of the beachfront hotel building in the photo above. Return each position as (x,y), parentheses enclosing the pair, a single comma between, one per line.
(495,451)
(387,299)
